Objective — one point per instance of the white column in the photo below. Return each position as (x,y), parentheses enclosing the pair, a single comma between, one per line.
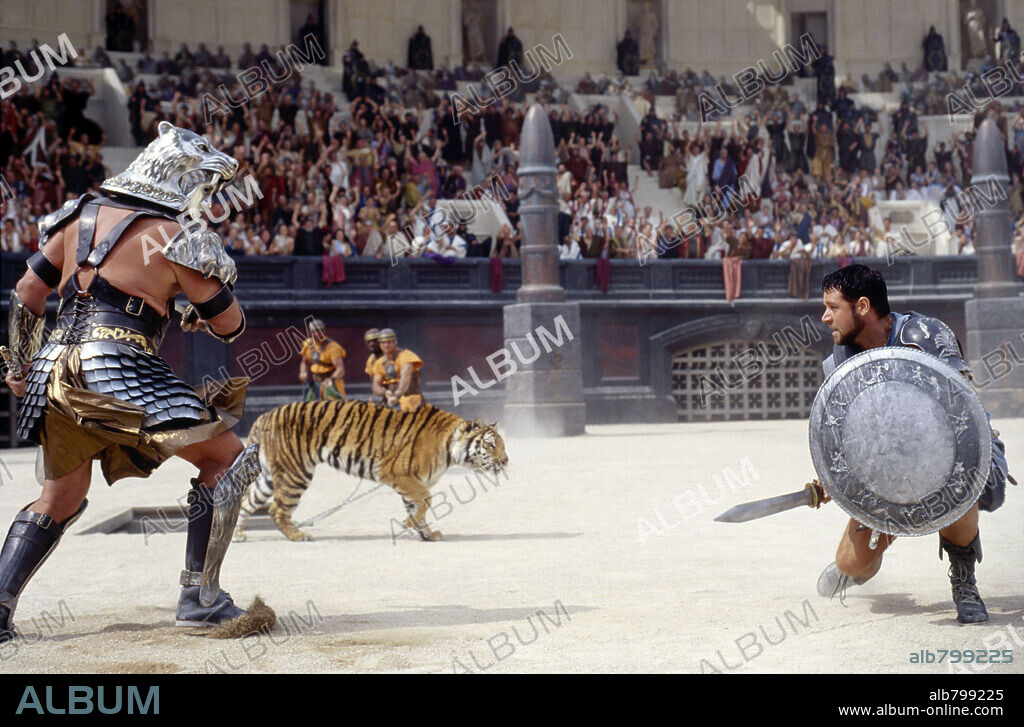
(339,23)
(502,20)
(454,49)
(151,25)
(621,24)
(663,35)
(835,44)
(154,11)
(97,34)
(284,23)
(954,49)
(332,29)
(782,23)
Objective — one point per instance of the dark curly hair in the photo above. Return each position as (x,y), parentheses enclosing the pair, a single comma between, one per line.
(859,281)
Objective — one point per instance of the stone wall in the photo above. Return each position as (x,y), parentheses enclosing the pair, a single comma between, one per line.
(450,317)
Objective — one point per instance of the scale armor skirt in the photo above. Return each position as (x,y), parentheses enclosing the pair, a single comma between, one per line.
(119,404)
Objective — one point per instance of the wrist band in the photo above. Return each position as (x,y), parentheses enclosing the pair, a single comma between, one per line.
(44,269)
(216,305)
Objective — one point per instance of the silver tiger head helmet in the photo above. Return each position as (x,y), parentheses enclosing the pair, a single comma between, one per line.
(179,169)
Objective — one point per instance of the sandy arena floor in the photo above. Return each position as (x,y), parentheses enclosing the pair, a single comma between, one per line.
(571,534)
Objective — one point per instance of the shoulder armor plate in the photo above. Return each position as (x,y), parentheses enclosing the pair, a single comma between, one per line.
(933,336)
(829,364)
(204,252)
(57,219)
(839,355)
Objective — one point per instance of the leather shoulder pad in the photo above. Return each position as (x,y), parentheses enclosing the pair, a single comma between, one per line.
(201,249)
(829,365)
(56,220)
(933,336)
(838,356)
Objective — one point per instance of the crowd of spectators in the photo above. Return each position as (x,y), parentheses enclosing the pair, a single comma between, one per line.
(334,177)
(343,173)
(788,181)
(927,93)
(49,151)
(345,177)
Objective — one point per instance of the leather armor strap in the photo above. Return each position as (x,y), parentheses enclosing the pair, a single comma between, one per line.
(99,253)
(216,305)
(85,253)
(118,301)
(190,578)
(86,231)
(41,521)
(55,221)
(44,269)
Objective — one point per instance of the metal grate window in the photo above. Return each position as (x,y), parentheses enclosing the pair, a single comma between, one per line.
(745,380)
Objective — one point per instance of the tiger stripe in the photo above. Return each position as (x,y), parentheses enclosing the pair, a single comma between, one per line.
(407,450)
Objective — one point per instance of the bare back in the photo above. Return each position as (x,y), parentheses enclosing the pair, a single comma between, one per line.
(135,265)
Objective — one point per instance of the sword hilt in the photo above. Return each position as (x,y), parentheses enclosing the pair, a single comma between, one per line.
(817,495)
(11,364)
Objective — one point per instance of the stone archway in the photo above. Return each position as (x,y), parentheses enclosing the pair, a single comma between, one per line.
(726,367)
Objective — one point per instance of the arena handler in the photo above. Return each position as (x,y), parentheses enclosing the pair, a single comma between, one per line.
(373,346)
(96,389)
(857,312)
(323,365)
(396,374)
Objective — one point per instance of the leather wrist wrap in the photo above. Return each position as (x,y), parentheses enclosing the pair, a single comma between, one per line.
(216,305)
(46,270)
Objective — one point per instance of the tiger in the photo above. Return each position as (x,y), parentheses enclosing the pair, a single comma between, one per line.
(407,450)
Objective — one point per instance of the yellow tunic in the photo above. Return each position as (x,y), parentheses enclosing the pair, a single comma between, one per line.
(413,398)
(321,357)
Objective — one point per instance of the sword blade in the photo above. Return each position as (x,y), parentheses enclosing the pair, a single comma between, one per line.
(763,508)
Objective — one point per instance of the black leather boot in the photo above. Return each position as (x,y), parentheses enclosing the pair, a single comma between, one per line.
(30,540)
(189,611)
(970,609)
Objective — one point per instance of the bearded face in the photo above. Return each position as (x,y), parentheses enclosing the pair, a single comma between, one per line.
(842,318)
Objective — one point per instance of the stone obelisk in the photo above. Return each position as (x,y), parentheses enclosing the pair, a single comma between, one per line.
(995,317)
(544,397)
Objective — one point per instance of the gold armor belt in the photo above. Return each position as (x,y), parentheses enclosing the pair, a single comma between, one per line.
(109,333)
(98,332)
(122,335)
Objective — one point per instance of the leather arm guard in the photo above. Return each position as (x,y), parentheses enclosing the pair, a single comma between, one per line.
(24,329)
(192,319)
(44,269)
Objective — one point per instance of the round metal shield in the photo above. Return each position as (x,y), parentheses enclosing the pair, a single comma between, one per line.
(900,441)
